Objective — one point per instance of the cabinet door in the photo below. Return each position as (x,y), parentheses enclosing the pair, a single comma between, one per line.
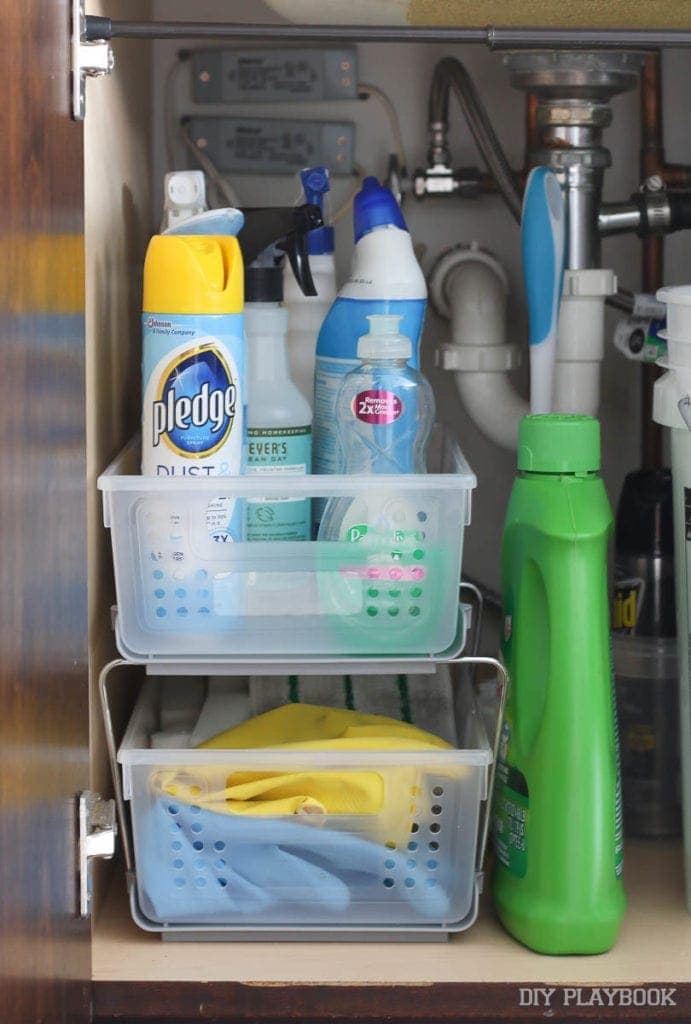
(44,948)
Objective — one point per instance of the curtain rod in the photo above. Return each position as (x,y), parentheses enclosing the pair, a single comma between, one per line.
(496,38)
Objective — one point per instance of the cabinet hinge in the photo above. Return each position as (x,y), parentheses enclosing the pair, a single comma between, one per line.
(97,831)
(92,58)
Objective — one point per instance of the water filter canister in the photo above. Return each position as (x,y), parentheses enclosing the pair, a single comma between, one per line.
(672,408)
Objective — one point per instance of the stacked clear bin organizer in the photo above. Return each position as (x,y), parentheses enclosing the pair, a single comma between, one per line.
(188,605)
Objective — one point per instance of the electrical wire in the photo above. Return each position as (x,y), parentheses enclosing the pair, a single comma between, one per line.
(367,89)
(359,174)
(225,190)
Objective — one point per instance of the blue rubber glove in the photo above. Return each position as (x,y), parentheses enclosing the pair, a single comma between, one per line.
(194,866)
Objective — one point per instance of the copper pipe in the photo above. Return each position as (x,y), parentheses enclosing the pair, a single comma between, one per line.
(652,162)
(652,151)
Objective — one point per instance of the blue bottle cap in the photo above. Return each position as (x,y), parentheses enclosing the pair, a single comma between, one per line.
(315,184)
(375,206)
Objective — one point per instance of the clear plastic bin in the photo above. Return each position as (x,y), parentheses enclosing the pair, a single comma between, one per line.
(409,866)
(181,594)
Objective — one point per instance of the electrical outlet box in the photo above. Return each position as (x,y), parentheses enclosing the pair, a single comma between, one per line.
(257,145)
(270,76)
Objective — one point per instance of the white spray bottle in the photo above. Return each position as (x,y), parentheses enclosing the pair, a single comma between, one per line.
(306,313)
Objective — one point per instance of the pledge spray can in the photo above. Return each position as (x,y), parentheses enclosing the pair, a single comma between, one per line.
(193,372)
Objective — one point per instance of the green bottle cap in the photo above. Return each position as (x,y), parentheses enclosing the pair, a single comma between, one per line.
(559,444)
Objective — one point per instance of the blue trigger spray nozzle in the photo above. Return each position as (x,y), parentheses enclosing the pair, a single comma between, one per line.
(315,186)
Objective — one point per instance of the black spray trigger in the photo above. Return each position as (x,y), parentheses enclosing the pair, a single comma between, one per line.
(295,247)
(284,229)
(306,218)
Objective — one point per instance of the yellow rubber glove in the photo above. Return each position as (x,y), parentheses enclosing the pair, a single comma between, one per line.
(257,793)
(301,727)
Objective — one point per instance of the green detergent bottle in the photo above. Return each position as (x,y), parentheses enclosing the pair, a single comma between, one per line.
(557,818)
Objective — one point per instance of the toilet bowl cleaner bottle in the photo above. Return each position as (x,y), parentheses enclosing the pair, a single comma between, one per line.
(385,278)
(557,819)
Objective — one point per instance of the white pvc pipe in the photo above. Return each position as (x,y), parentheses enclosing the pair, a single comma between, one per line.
(581,340)
(469,286)
(473,288)
(477,290)
(493,404)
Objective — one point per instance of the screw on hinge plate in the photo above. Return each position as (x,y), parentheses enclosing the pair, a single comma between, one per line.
(97,831)
(88,58)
